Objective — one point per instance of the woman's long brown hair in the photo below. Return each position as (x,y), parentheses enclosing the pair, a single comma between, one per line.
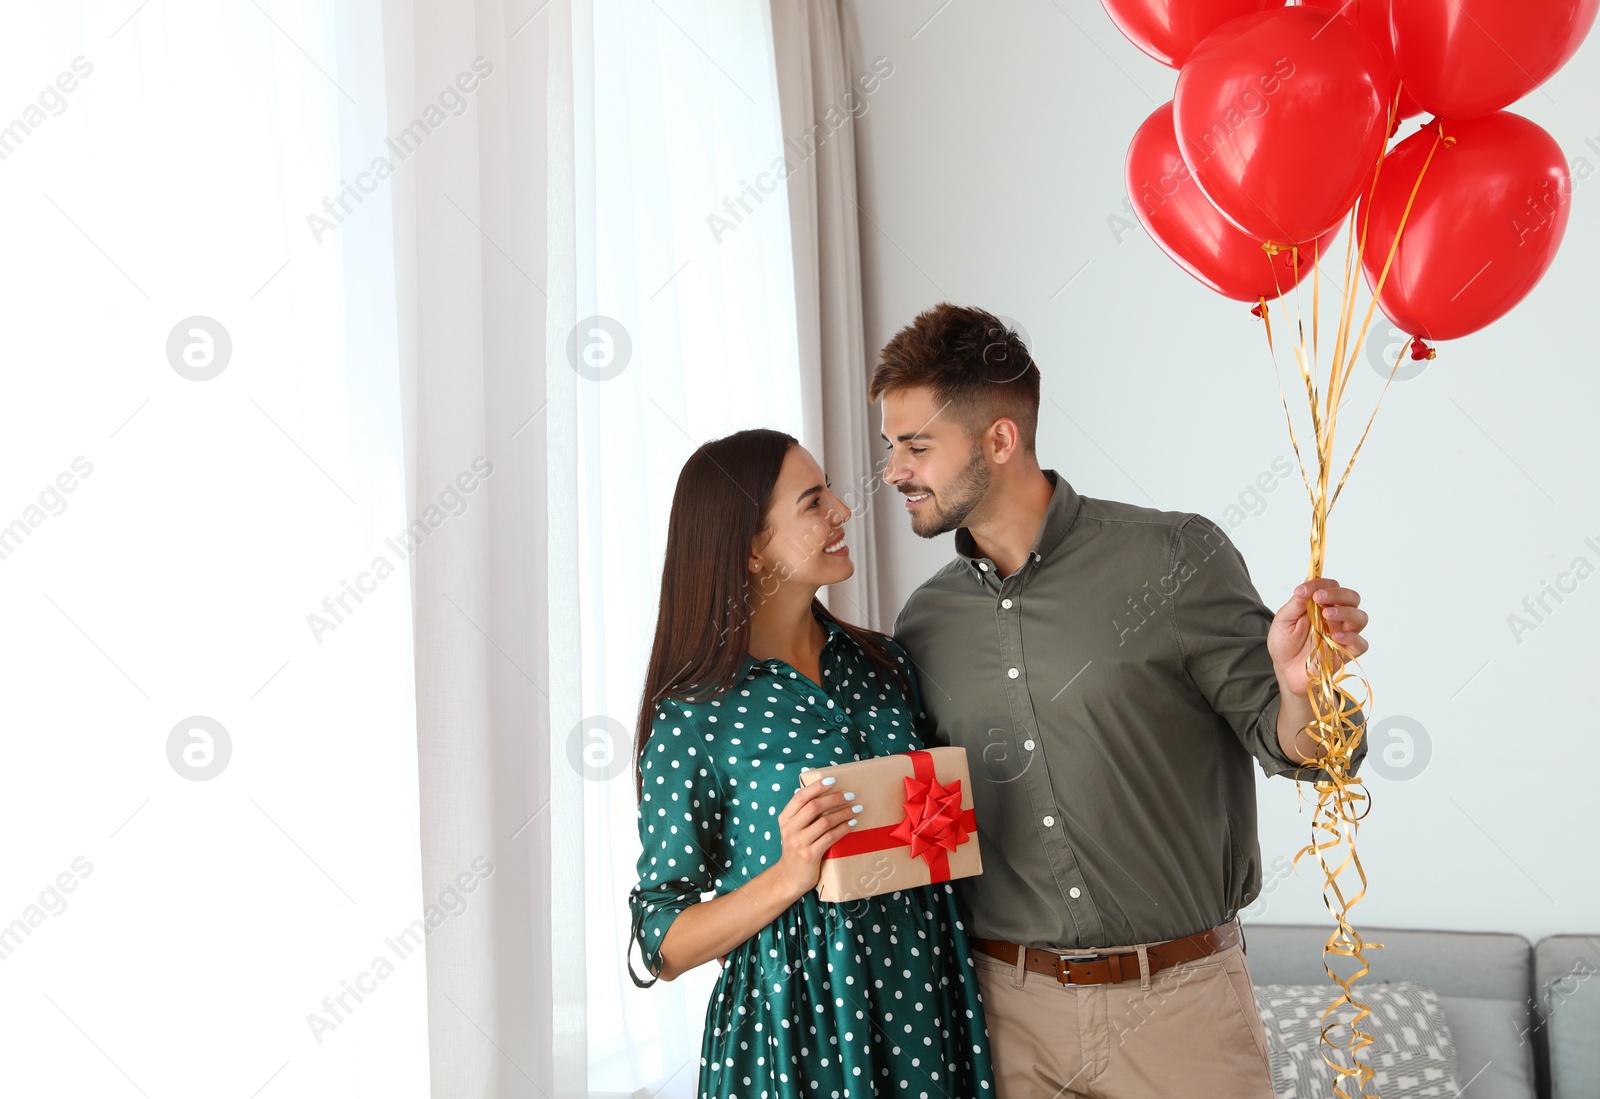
(703,622)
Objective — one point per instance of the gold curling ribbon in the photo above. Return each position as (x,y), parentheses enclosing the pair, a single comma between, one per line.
(1336,692)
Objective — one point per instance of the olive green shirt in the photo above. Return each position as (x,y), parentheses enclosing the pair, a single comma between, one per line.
(1111,694)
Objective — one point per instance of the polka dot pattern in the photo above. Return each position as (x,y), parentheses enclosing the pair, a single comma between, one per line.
(874,997)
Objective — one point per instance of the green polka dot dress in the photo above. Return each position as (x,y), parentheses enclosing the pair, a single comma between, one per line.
(874,997)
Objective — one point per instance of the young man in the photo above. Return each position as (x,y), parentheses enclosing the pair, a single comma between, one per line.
(1112,673)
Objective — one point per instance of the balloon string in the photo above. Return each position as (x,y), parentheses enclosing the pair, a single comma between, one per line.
(1341,805)
(1351,269)
(1383,277)
(1300,360)
(1336,815)
(1316,298)
(1266,317)
(1341,800)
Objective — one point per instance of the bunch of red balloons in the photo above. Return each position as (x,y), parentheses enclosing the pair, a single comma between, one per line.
(1281,118)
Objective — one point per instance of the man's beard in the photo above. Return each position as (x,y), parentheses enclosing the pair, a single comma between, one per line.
(955,503)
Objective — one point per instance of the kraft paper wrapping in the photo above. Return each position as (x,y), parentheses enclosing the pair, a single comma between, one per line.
(916,826)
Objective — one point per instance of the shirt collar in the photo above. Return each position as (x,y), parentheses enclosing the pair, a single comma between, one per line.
(1065,503)
(835,632)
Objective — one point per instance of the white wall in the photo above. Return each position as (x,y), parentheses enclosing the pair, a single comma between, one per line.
(991,164)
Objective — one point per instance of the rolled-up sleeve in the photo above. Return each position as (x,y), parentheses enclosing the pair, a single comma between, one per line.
(1222,626)
(680,823)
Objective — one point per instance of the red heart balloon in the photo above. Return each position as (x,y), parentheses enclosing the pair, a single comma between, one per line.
(1372,16)
(1168,30)
(1488,217)
(1280,116)
(1171,207)
(1466,58)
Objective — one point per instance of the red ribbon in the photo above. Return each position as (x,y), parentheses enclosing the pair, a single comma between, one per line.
(934,823)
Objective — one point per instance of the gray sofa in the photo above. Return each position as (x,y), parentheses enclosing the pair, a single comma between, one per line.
(1525,1021)
(1566,972)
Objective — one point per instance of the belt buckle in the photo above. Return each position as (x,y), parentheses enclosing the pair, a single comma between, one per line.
(1064,965)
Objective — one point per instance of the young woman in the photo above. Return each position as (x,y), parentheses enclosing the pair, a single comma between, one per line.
(751,680)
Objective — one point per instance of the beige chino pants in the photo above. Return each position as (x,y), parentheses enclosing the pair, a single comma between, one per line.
(1190,1032)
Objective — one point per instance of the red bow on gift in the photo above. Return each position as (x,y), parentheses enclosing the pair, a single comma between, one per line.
(934,824)
(933,818)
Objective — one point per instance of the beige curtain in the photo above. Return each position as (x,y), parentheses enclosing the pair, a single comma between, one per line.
(821,91)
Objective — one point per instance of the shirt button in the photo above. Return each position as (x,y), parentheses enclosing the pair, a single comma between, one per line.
(838,719)
(1006,603)
(1049,822)
(1012,672)
(1074,892)
(983,566)
(1027,745)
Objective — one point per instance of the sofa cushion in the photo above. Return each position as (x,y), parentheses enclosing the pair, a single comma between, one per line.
(1494,1054)
(1484,981)
(1568,998)
(1412,1050)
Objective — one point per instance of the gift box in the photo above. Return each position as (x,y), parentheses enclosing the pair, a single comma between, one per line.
(916,825)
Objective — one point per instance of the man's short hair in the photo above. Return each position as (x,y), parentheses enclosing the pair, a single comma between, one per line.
(972,361)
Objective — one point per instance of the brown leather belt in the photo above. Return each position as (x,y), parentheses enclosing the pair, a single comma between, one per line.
(1089,968)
